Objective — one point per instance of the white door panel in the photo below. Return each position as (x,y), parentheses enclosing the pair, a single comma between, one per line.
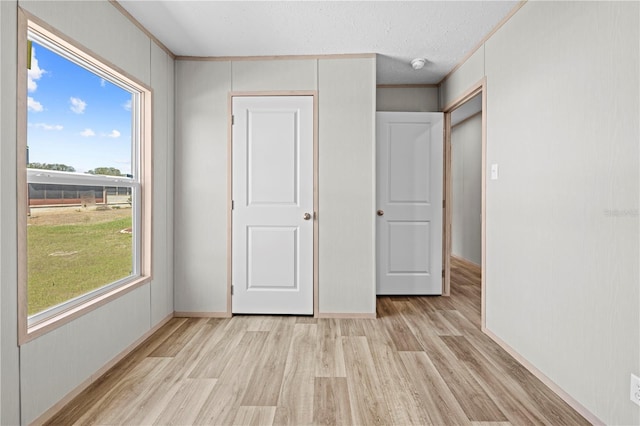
(409,196)
(272,243)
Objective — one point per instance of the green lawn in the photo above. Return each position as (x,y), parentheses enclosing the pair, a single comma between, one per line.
(65,261)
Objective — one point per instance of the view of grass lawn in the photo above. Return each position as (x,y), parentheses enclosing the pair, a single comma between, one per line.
(74,251)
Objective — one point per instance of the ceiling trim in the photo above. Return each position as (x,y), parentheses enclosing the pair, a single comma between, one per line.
(275,57)
(407,86)
(137,23)
(484,40)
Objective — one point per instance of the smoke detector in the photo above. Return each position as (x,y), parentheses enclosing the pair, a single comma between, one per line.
(418,63)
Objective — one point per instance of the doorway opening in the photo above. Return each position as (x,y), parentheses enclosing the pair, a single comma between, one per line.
(464,193)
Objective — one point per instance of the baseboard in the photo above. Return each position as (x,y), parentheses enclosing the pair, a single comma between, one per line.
(55,408)
(345,315)
(469,264)
(202,314)
(591,418)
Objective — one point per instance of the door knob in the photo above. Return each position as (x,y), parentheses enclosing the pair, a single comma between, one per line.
(307,216)
(380,212)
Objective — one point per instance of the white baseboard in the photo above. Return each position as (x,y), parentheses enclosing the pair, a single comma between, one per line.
(202,314)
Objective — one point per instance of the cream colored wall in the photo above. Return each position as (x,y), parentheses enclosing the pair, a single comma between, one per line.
(54,364)
(346,113)
(201,186)
(468,74)
(466,177)
(562,245)
(412,99)
(347,185)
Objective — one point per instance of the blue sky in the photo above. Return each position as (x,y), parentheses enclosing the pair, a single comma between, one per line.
(75,117)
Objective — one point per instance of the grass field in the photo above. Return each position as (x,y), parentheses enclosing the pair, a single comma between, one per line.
(74,251)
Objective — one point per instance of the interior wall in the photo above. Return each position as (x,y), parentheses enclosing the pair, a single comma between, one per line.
(466,179)
(40,373)
(346,117)
(562,226)
(9,360)
(412,99)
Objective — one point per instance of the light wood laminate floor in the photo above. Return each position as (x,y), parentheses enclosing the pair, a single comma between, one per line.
(423,361)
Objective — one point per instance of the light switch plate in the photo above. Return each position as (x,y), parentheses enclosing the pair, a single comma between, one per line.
(494,172)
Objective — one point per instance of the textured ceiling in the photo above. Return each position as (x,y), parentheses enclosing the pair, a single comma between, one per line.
(442,32)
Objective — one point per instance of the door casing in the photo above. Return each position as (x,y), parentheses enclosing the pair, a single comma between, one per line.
(478,88)
(316,216)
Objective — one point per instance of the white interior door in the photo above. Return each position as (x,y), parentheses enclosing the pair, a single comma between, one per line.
(272,232)
(409,197)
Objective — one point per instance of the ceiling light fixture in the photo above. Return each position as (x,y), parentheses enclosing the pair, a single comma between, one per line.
(418,63)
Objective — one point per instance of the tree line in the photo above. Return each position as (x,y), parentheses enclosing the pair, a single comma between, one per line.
(109,171)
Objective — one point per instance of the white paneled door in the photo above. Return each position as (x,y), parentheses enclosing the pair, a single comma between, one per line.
(272,187)
(409,198)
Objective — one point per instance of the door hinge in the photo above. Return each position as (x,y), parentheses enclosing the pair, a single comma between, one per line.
(444,203)
(233,204)
(233,120)
(442,274)
(232,290)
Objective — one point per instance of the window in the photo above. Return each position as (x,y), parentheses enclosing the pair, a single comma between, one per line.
(84,182)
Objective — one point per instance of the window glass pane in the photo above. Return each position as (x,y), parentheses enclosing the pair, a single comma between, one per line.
(77,120)
(76,243)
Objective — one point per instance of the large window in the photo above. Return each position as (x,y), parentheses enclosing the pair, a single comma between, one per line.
(84,175)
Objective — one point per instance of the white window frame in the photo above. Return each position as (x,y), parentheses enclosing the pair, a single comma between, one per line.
(35,325)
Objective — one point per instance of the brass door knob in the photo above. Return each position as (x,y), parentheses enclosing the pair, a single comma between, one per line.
(307,216)
(380,212)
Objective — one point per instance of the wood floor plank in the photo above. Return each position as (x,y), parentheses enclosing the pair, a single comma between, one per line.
(222,347)
(351,327)
(295,402)
(254,416)
(331,405)
(368,405)
(306,320)
(224,400)
(441,405)
(402,336)
(270,369)
(183,404)
(444,326)
(261,322)
(172,345)
(399,391)
(330,355)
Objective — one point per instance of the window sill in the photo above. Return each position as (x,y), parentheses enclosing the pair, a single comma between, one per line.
(69,315)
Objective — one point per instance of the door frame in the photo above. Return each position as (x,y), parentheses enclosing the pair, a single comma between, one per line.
(231,95)
(478,88)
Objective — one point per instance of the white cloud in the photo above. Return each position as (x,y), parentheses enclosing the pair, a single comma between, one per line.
(77,105)
(127,105)
(34,105)
(45,126)
(103,82)
(114,134)
(87,133)
(35,73)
